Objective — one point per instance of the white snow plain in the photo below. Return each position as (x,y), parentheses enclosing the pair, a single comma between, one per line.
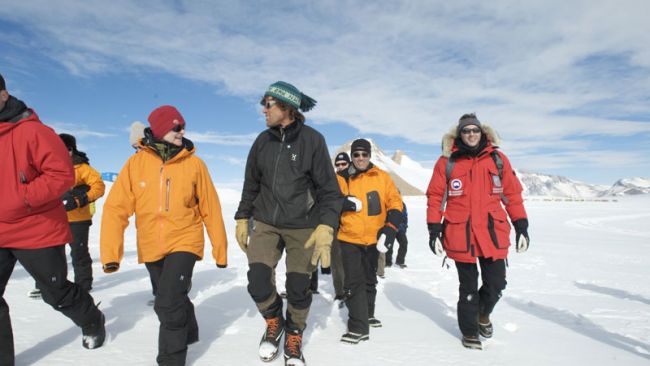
(579,296)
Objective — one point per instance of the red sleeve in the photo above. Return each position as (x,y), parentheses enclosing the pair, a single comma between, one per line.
(436,191)
(512,190)
(49,156)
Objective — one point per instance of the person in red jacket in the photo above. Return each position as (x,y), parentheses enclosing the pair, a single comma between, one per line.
(34,228)
(472,182)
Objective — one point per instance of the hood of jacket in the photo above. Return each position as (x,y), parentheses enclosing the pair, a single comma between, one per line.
(449,145)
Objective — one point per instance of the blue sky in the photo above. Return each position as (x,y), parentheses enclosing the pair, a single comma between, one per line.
(567,86)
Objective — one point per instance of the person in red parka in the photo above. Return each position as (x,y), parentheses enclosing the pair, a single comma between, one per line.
(472,182)
(36,171)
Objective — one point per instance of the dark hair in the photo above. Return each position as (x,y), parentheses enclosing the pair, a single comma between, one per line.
(294,114)
(3,86)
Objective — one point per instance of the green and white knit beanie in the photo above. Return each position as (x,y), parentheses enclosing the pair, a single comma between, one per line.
(288,93)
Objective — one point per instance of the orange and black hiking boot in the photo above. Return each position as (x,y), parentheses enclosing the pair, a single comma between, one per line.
(293,349)
(271,338)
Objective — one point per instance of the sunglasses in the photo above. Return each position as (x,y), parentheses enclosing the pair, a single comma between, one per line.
(360,155)
(341,164)
(268,104)
(467,131)
(178,128)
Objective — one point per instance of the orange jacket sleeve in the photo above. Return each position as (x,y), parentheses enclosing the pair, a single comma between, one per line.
(119,206)
(210,209)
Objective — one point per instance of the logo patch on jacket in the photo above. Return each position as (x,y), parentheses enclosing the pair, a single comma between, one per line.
(456,187)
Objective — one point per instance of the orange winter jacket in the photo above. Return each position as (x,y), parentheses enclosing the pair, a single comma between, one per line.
(171,200)
(86,175)
(378,195)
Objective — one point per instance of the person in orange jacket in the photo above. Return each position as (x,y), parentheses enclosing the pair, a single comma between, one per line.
(170,191)
(370,217)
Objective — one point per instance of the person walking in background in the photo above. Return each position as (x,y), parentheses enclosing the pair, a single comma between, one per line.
(402,240)
(472,182)
(369,218)
(341,163)
(88,188)
(34,228)
(172,195)
(290,190)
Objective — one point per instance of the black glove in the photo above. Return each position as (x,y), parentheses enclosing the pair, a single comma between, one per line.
(389,232)
(522,241)
(111,267)
(326,270)
(81,197)
(69,202)
(221,265)
(351,203)
(435,238)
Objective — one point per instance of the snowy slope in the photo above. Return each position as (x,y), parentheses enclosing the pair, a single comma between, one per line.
(580,296)
(629,186)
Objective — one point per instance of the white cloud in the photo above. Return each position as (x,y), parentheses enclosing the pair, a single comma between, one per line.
(534,69)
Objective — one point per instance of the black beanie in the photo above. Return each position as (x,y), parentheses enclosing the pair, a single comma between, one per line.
(3,86)
(342,156)
(466,120)
(360,145)
(69,141)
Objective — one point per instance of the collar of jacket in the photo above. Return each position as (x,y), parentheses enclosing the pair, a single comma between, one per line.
(79,157)
(13,111)
(353,172)
(163,149)
(290,132)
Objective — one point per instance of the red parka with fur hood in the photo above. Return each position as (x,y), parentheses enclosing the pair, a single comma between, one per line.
(475,222)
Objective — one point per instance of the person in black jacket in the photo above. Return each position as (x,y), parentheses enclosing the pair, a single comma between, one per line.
(291,191)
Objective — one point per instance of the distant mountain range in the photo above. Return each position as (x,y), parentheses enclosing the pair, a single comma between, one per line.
(412,179)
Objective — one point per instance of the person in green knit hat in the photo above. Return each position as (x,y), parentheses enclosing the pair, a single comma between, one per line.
(291,192)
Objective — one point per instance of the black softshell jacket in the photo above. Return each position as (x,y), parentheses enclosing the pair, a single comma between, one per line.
(290,181)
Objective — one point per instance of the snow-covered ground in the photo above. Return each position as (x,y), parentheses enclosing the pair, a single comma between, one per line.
(580,296)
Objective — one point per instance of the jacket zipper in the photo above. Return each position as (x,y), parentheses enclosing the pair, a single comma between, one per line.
(275,176)
(167,195)
(160,218)
(23,180)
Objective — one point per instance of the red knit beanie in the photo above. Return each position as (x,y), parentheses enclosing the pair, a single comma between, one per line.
(163,119)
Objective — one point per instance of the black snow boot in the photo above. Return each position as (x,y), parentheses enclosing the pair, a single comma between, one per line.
(94,333)
(472,342)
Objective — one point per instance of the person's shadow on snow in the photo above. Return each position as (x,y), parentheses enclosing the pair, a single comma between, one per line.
(218,313)
(408,298)
(614,292)
(581,325)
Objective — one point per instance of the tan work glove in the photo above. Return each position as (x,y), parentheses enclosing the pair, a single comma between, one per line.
(241,234)
(322,237)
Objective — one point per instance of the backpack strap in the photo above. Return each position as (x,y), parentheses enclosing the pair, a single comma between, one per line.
(498,161)
(448,168)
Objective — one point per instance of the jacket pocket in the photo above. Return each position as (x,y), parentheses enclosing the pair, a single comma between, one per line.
(456,232)
(499,229)
(374,205)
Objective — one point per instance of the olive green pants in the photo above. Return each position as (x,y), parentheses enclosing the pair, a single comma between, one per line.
(264,252)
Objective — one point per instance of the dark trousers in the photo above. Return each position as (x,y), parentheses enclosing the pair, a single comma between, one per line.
(178,327)
(360,266)
(473,301)
(401,252)
(48,267)
(338,275)
(313,282)
(81,262)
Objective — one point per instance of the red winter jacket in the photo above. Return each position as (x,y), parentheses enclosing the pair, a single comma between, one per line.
(475,222)
(36,170)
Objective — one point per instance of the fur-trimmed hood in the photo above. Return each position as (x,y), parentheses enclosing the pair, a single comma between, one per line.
(449,138)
